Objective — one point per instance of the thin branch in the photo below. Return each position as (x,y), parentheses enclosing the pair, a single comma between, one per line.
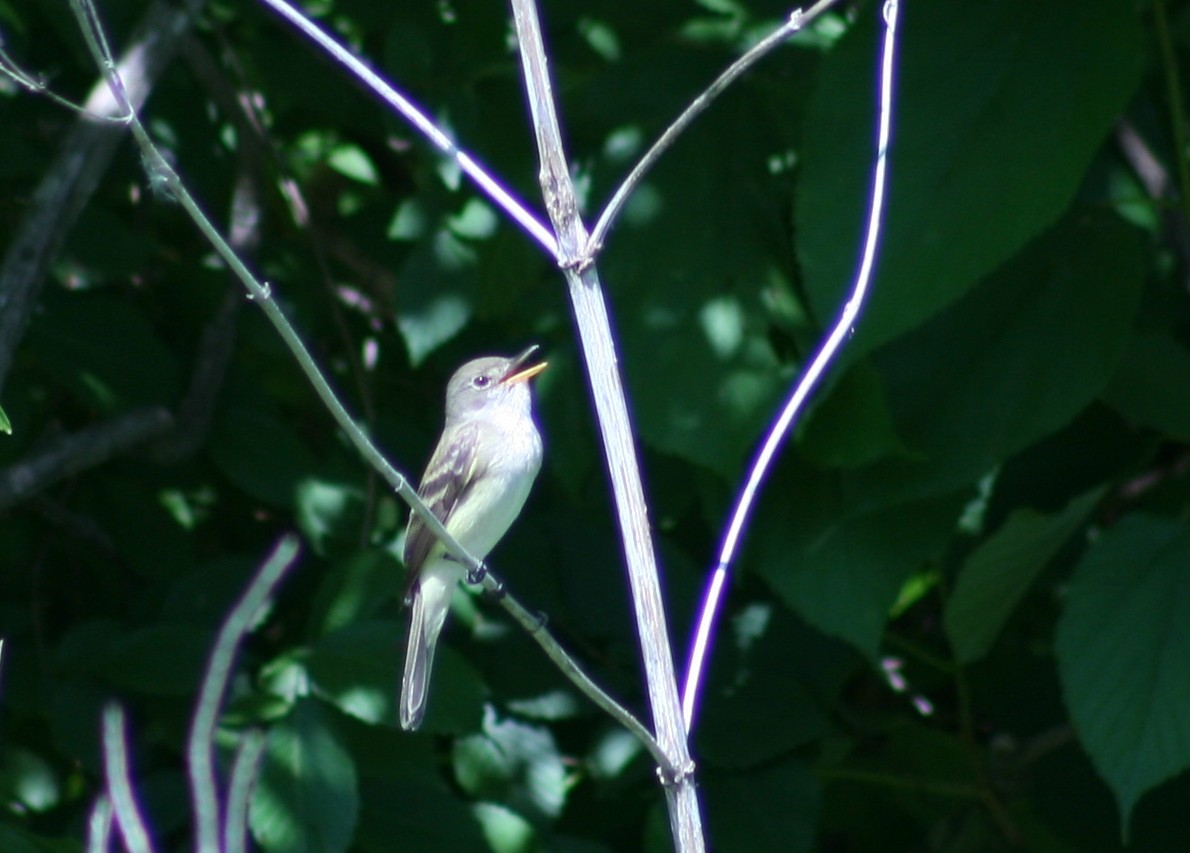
(260,294)
(239,791)
(35,85)
(533,624)
(611,408)
(200,745)
(798,20)
(99,825)
(80,451)
(808,381)
(119,785)
(1154,177)
(82,160)
(1177,115)
(511,205)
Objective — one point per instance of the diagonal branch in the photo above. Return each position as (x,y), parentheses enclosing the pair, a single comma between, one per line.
(81,163)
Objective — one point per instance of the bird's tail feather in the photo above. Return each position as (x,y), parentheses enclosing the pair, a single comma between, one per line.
(431,601)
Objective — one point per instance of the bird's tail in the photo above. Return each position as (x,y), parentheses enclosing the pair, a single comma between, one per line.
(431,602)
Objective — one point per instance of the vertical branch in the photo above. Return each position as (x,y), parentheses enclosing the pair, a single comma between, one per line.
(611,407)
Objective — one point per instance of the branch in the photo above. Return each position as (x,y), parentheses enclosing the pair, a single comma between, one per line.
(80,451)
(797,20)
(806,384)
(119,786)
(81,163)
(200,745)
(607,387)
(511,205)
(261,294)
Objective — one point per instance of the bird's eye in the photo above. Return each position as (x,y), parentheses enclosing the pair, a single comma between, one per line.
(481,381)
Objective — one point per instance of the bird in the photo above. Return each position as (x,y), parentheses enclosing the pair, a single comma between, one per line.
(475,483)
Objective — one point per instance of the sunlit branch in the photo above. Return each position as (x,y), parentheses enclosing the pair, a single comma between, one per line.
(809,380)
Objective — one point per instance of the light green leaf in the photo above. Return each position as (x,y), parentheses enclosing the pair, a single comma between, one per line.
(513,763)
(437,294)
(353,162)
(306,797)
(357,668)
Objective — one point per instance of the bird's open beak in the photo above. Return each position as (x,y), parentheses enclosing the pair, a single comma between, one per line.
(518,372)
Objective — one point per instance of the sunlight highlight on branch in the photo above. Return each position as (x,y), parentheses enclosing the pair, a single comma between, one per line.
(809,380)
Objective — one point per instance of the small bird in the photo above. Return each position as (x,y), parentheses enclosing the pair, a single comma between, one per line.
(475,483)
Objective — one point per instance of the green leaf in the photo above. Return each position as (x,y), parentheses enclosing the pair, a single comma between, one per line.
(697,264)
(14,839)
(1147,388)
(357,668)
(329,512)
(356,590)
(261,453)
(1123,649)
(353,162)
(27,781)
(1015,360)
(515,764)
(840,568)
(5,423)
(439,283)
(306,797)
(757,718)
(853,425)
(997,574)
(1000,109)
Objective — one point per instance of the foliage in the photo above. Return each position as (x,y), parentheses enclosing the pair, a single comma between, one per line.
(961,618)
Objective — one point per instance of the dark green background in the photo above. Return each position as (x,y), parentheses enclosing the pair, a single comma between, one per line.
(992,491)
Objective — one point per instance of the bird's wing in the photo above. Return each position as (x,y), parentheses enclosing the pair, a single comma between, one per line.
(455,467)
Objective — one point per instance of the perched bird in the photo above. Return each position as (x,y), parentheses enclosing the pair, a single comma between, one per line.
(476,483)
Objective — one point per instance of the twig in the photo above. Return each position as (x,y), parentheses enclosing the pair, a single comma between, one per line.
(403,105)
(599,351)
(239,790)
(82,450)
(119,786)
(809,380)
(532,623)
(797,20)
(82,160)
(99,825)
(200,745)
(1154,177)
(260,294)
